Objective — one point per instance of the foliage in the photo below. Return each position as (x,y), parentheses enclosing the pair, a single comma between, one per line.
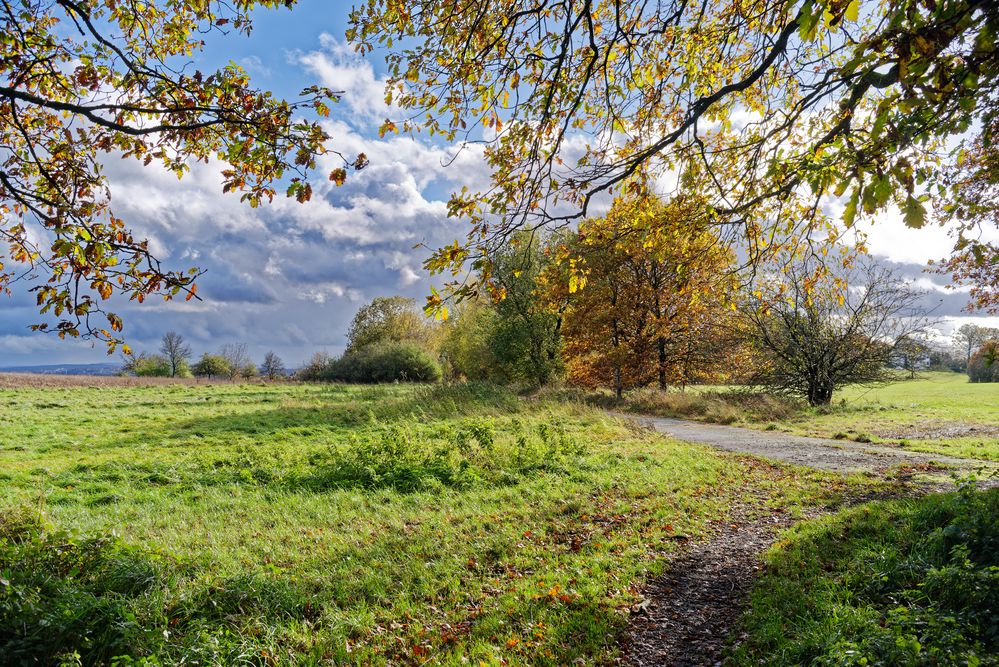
(984,364)
(384,362)
(649,290)
(816,331)
(148,365)
(392,319)
(466,346)
(526,334)
(249,371)
(212,366)
(251,513)
(972,211)
(777,104)
(890,583)
(84,81)
(970,337)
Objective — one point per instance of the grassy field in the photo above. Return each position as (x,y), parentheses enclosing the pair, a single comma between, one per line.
(226,524)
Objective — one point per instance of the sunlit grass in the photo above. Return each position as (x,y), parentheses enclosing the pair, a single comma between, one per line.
(368,525)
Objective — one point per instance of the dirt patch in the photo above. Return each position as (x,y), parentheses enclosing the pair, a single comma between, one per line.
(938,431)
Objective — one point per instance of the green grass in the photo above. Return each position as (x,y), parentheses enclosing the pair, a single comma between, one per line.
(262,524)
(912,582)
(916,413)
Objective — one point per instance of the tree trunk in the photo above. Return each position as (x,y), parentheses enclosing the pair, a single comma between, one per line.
(820,393)
(662,362)
(618,386)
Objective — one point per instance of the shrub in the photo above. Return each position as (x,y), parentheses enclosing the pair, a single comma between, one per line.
(385,362)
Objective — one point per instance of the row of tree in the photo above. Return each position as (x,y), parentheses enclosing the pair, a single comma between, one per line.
(650,294)
(174,359)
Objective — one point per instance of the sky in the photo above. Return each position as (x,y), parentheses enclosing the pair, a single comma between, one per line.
(288,277)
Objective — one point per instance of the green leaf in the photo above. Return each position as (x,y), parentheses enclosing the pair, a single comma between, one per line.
(914,213)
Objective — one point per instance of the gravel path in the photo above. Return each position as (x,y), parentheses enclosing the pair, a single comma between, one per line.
(832,455)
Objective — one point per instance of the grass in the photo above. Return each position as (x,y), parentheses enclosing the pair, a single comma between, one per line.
(939,413)
(911,582)
(225,524)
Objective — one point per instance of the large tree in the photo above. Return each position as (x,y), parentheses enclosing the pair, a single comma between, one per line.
(85,81)
(816,330)
(780,102)
(654,298)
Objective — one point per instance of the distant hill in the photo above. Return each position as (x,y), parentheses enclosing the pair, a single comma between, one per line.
(65,369)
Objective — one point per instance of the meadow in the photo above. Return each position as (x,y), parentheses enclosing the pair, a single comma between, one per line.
(307,524)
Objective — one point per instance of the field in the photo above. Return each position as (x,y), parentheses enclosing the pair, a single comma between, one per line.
(228,524)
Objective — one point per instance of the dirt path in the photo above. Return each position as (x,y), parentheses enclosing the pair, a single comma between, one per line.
(691,611)
(832,455)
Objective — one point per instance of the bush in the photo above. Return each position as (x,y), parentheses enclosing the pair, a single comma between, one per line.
(380,362)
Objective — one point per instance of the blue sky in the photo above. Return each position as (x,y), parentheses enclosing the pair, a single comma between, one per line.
(289,277)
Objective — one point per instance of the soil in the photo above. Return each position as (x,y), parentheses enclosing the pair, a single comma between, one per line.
(689,613)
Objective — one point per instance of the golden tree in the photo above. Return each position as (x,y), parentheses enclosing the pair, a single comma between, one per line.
(653,296)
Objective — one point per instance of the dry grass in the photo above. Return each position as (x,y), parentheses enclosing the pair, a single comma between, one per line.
(723,406)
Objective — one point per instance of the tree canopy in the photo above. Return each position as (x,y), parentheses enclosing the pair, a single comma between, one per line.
(777,104)
(85,81)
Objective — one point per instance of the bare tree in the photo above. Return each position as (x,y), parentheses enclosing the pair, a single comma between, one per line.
(912,354)
(816,330)
(272,366)
(176,351)
(236,356)
(970,337)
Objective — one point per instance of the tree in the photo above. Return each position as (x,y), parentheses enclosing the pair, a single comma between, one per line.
(389,319)
(236,358)
(465,349)
(653,289)
(176,351)
(973,208)
(249,371)
(212,366)
(272,366)
(82,81)
(970,337)
(815,331)
(781,103)
(911,354)
(526,338)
